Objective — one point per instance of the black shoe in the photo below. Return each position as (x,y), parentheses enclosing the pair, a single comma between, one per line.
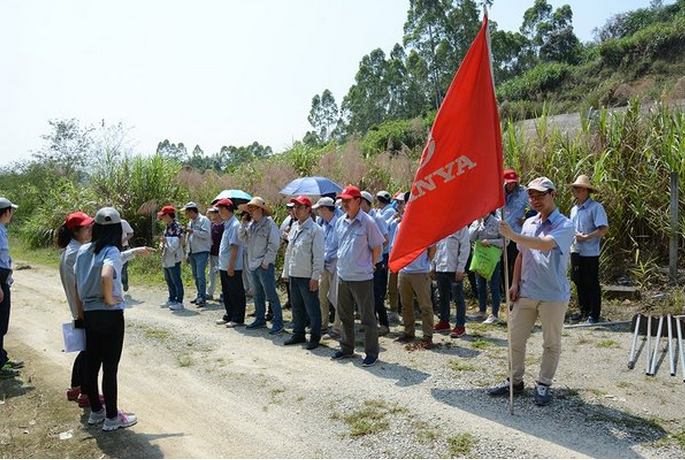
(542,395)
(577,316)
(503,389)
(312,345)
(269,317)
(295,339)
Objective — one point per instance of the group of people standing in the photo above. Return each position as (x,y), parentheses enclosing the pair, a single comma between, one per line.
(336,269)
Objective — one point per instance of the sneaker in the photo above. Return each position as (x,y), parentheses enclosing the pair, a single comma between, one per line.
(276,330)
(405,338)
(83,401)
(427,342)
(194,300)
(442,326)
(492,319)
(503,389)
(7,372)
(295,339)
(175,306)
(122,420)
(542,395)
(330,336)
(15,364)
(234,324)
(97,417)
(591,320)
(576,316)
(480,316)
(369,360)
(257,325)
(458,331)
(338,355)
(221,321)
(166,304)
(200,303)
(311,345)
(73,393)
(383,331)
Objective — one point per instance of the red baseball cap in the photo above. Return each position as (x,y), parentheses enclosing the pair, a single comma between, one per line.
(224,202)
(166,210)
(350,192)
(302,200)
(77,220)
(510,176)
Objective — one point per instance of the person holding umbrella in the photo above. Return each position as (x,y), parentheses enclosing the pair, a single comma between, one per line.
(302,269)
(262,239)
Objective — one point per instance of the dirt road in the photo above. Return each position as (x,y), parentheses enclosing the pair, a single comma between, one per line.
(202,390)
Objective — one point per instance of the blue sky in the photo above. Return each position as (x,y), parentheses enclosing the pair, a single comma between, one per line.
(211,73)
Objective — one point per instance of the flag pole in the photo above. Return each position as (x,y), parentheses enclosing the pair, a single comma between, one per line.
(504,253)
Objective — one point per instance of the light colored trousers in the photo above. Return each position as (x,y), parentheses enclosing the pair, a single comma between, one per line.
(328,292)
(526,311)
(213,274)
(420,285)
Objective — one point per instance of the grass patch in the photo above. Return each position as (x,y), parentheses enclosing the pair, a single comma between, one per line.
(44,256)
(624,384)
(275,395)
(156,334)
(461,445)
(480,344)
(370,417)
(458,366)
(680,438)
(607,343)
(184,360)
(424,431)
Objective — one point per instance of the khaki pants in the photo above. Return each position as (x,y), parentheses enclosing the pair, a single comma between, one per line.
(393,292)
(523,317)
(419,284)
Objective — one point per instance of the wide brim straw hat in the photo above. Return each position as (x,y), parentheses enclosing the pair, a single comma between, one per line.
(583,181)
(258,202)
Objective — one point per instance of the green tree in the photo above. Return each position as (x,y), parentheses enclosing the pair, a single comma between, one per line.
(324,115)
(66,147)
(367,100)
(550,33)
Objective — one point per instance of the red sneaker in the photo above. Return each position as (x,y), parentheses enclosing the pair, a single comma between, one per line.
(83,400)
(73,393)
(442,326)
(457,332)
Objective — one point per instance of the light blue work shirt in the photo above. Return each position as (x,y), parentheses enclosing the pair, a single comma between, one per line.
(543,273)
(5,259)
(228,239)
(515,208)
(88,270)
(383,227)
(330,243)
(387,212)
(421,264)
(587,218)
(356,239)
(393,225)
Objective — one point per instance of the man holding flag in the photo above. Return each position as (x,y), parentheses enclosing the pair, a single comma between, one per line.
(539,288)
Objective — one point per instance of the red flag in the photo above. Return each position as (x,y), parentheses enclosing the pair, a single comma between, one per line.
(460,174)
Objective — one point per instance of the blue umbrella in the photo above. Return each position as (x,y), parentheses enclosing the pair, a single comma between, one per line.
(236,196)
(311,186)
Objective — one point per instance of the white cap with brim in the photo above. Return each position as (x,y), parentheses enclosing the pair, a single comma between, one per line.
(189,205)
(107,216)
(367,196)
(324,201)
(5,203)
(541,184)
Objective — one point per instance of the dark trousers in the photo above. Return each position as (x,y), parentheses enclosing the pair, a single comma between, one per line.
(448,288)
(104,342)
(233,291)
(361,294)
(380,286)
(512,254)
(4,315)
(305,303)
(79,372)
(472,278)
(172,275)
(585,275)
(124,276)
